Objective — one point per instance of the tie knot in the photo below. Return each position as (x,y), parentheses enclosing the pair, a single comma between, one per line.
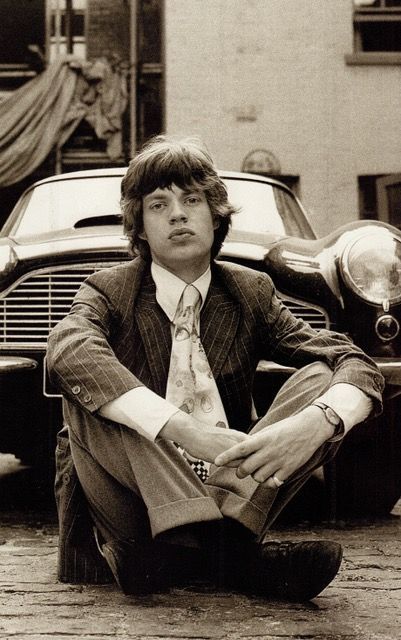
(190,296)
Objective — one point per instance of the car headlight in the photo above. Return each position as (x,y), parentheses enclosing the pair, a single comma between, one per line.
(371,267)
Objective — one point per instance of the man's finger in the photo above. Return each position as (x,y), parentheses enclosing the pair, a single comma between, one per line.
(272,483)
(237,452)
(234,463)
(254,463)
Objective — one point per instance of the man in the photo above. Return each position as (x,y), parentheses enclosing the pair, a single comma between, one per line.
(157,358)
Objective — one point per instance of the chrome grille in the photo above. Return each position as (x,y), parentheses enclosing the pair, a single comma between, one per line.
(37,302)
(34,305)
(314,315)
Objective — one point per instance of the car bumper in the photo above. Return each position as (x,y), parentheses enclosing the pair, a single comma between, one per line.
(10,364)
(390,369)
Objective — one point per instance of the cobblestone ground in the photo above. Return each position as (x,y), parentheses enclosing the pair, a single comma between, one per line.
(363,602)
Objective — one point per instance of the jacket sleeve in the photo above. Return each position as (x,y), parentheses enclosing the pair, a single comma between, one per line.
(291,341)
(80,360)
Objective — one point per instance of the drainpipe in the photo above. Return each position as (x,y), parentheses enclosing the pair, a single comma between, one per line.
(69,15)
(57,27)
(133,76)
(54,6)
(48,30)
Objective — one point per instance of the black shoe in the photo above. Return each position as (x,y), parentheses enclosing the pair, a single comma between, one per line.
(294,571)
(190,552)
(138,568)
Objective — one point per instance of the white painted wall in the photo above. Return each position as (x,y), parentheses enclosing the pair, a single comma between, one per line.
(245,74)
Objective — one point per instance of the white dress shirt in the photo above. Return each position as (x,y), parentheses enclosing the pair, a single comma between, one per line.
(140,408)
(144,411)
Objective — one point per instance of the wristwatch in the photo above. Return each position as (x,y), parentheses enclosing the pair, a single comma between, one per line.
(334,419)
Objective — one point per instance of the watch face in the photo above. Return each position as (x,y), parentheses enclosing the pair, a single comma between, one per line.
(332,416)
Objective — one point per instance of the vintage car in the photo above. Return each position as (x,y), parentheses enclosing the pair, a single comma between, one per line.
(65,227)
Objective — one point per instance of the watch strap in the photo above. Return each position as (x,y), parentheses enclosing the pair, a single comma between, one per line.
(339,428)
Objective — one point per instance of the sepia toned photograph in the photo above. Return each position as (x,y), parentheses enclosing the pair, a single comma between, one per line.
(200,309)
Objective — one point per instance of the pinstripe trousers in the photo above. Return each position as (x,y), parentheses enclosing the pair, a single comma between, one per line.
(138,489)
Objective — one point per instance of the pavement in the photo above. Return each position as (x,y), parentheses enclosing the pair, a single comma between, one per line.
(363,602)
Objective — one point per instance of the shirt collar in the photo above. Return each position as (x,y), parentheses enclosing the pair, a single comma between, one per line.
(169,288)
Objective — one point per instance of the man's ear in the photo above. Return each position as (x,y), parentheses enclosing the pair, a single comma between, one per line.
(216,222)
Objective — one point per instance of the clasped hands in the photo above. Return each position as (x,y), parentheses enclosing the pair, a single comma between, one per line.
(275,450)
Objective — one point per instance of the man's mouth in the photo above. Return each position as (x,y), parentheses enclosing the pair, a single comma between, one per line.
(181,233)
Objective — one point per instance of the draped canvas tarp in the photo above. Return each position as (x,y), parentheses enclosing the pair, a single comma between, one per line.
(43,113)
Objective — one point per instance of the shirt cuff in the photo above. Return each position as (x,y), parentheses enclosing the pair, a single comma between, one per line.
(349,402)
(140,409)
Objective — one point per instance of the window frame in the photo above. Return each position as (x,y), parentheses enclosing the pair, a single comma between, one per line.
(369,14)
(150,80)
(60,41)
(375,201)
(384,209)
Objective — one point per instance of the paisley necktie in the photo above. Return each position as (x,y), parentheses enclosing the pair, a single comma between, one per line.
(191,386)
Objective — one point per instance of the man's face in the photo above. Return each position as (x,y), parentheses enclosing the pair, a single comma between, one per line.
(179,228)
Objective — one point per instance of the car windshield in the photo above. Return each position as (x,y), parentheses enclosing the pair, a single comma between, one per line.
(70,205)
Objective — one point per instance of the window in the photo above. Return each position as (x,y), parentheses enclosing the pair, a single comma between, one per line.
(368,209)
(388,189)
(377,32)
(21,57)
(67,27)
(150,89)
(380,198)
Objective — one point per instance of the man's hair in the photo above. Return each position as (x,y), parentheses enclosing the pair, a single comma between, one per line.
(162,162)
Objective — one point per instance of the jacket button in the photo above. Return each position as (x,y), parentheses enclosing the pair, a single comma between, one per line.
(87,398)
(76,390)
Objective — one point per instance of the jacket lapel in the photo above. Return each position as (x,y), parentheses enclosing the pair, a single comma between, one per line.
(219,324)
(155,331)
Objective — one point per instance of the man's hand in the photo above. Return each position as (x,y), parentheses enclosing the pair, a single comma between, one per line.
(200,440)
(279,449)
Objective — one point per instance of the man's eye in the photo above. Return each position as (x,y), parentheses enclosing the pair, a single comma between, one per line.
(193,199)
(157,206)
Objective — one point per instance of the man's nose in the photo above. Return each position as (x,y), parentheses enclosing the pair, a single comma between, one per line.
(177,213)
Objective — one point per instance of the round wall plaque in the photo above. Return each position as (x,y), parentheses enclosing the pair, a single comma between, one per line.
(261,161)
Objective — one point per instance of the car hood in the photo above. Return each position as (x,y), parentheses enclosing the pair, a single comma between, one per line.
(292,262)
(20,256)
(92,240)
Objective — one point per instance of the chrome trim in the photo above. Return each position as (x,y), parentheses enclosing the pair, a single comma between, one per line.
(47,389)
(391,370)
(379,320)
(36,302)
(315,315)
(13,363)
(268,366)
(349,280)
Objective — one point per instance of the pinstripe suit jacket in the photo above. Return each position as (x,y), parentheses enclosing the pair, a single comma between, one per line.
(116,337)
